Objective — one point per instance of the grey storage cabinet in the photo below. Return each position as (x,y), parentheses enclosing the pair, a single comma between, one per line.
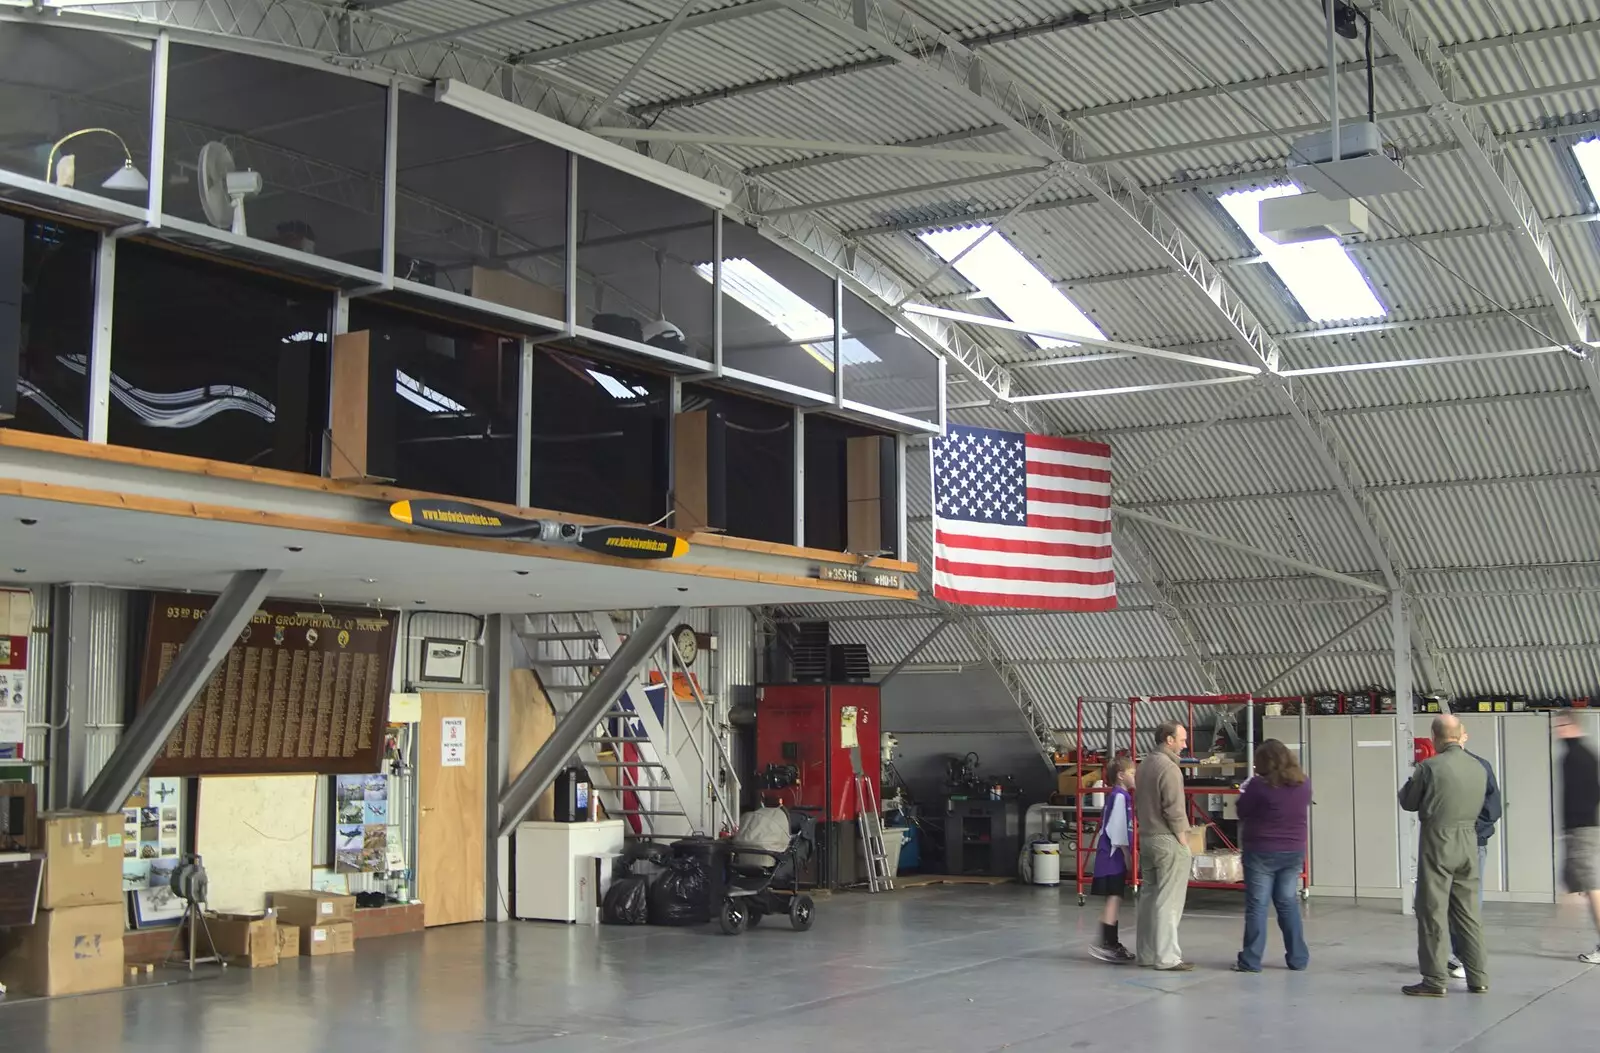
(1328,760)
(1376,805)
(1483,738)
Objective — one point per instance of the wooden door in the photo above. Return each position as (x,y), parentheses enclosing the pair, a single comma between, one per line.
(452,768)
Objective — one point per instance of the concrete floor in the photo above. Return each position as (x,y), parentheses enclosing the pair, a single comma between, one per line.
(938,969)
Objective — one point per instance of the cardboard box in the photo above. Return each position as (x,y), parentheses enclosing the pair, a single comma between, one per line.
(19,817)
(513,290)
(312,908)
(245,939)
(288,940)
(1197,840)
(334,937)
(1069,780)
(67,951)
(82,860)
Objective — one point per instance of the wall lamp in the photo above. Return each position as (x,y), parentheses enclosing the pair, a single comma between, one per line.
(125,178)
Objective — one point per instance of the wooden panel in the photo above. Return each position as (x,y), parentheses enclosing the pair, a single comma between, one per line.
(509,290)
(864,526)
(690,490)
(172,462)
(863,480)
(451,802)
(533,720)
(254,834)
(347,416)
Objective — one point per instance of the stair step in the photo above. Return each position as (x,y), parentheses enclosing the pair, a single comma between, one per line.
(631,789)
(623,764)
(614,741)
(646,811)
(560,637)
(565,689)
(572,663)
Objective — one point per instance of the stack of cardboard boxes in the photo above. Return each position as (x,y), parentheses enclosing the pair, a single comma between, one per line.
(75,943)
(326,922)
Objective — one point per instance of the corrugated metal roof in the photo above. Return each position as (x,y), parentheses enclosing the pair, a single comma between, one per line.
(1466,467)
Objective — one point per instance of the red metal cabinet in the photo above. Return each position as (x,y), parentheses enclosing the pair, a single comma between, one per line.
(805,725)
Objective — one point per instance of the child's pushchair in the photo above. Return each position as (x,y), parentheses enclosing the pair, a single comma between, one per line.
(764,880)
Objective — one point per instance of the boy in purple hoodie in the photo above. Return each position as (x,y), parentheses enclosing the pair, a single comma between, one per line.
(1113,860)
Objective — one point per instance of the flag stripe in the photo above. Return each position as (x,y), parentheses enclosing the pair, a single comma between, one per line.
(1021,589)
(1084,526)
(1065,445)
(1024,573)
(1020,546)
(1070,471)
(1064,498)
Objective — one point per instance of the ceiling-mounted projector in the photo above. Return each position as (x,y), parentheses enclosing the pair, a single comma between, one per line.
(1311,217)
(1362,169)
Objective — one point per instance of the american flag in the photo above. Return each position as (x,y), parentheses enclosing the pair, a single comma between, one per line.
(1022,521)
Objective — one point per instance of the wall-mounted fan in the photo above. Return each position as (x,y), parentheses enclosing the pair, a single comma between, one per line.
(224,188)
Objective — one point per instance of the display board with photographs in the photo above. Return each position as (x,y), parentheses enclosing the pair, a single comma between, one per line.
(361,824)
(152,825)
(155,905)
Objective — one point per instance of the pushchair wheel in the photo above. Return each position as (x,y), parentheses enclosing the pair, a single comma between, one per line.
(732,918)
(753,918)
(802,912)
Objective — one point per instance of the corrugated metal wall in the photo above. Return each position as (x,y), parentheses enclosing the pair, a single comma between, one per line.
(38,704)
(109,613)
(417,626)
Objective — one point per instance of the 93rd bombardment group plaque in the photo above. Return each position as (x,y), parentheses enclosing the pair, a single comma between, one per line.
(301,690)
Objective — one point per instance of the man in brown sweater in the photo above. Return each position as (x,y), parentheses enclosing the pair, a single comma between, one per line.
(1163,851)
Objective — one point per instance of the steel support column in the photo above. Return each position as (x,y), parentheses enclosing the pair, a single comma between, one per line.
(500,641)
(205,649)
(799,476)
(579,721)
(916,649)
(525,423)
(160,63)
(105,285)
(1404,733)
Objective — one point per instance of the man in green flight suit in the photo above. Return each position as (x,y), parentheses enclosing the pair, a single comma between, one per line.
(1447,791)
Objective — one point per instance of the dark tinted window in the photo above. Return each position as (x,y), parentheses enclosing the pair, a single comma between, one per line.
(599,439)
(759,459)
(827,451)
(455,403)
(216,361)
(47,313)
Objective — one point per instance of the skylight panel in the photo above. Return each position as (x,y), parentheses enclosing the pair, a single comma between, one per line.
(614,387)
(786,311)
(1013,284)
(422,396)
(1587,154)
(1321,277)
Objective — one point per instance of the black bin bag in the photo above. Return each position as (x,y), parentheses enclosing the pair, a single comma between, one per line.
(681,896)
(627,901)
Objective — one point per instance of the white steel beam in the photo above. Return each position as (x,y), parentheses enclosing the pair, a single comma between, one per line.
(668,28)
(777,142)
(1248,549)
(645,32)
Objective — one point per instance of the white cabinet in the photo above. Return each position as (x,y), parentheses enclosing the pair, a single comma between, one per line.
(562,869)
(1328,761)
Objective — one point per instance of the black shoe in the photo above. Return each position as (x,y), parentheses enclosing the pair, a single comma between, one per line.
(1478,988)
(1239,967)
(1423,990)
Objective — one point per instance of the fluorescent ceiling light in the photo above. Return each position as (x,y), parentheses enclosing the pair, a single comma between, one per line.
(786,311)
(1320,276)
(1018,288)
(1587,154)
(479,103)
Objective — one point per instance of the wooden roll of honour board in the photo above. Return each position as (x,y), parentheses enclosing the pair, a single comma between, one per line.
(305,688)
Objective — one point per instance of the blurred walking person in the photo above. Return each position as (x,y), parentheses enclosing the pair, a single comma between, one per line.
(1580,819)
(1274,811)
(1113,860)
(1447,792)
(1164,860)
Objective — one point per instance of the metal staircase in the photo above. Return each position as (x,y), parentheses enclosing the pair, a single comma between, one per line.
(665,777)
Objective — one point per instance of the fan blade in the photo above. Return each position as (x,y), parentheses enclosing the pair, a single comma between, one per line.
(462,517)
(627,542)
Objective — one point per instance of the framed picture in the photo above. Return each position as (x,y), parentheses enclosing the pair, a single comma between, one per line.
(444,661)
(155,906)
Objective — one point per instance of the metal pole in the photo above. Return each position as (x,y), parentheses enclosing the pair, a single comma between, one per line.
(160,61)
(391,179)
(525,423)
(1404,736)
(899,666)
(202,653)
(799,476)
(572,244)
(1333,83)
(838,342)
(105,286)
(902,543)
(579,722)
(716,294)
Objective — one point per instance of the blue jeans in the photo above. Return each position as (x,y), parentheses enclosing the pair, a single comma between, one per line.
(1483,858)
(1274,876)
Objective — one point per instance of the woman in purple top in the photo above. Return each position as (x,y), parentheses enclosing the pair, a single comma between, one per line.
(1273,815)
(1113,853)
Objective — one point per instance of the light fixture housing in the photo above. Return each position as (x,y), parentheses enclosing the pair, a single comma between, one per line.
(127,178)
(480,103)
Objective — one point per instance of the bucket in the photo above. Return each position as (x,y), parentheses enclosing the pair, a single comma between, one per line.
(1046,863)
